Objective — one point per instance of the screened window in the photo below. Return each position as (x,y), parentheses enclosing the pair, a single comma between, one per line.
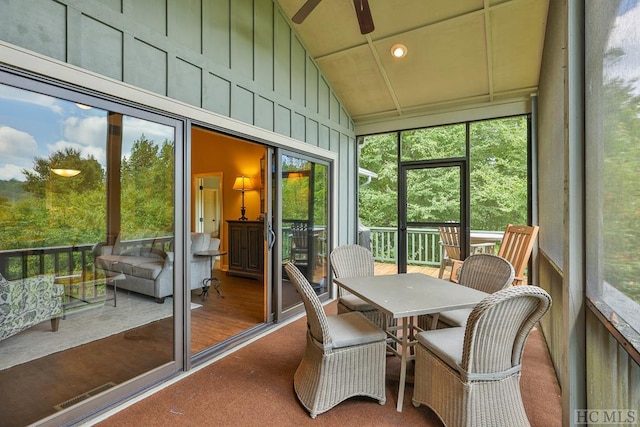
(613,161)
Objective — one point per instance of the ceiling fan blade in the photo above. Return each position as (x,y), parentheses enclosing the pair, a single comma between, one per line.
(363,12)
(304,11)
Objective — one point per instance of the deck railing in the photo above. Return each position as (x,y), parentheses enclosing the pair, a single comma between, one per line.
(62,260)
(423,247)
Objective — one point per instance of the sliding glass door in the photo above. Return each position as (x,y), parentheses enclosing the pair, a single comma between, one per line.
(302,189)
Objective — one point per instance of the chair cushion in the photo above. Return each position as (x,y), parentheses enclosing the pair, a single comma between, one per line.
(354,303)
(353,328)
(445,343)
(455,317)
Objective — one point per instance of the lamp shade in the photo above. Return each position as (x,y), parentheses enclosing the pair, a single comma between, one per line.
(243,183)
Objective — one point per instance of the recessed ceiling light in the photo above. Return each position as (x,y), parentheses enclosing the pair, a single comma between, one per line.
(399,51)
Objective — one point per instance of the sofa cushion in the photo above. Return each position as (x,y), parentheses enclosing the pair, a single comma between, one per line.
(139,266)
(148,270)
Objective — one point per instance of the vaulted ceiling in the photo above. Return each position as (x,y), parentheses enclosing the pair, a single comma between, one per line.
(460,53)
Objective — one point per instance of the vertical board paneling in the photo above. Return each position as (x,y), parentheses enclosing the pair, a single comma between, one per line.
(323,137)
(334,142)
(216,32)
(324,94)
(334,109)
(146,57)
(264,113)
(217,94)
(42,29)
(282,57)
(282,120)
(343,197)
(242,37)
(298,126)
(351,187)
(185,84)
(263,43)
(312,86)
(298,61)
(185,23)
(312,132)
(113,4)
(101,48)
(242,104)
(344,118)
(613,381)
(152,13)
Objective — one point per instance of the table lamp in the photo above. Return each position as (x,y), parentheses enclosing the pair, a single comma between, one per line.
(243,183)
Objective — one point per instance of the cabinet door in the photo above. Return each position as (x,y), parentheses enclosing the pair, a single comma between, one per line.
(236,247)
(255,248)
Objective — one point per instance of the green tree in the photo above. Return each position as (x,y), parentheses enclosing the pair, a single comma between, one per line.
(42,179)
(147,178)
(498,160)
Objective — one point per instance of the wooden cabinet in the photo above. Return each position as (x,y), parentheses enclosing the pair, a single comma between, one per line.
(246,249)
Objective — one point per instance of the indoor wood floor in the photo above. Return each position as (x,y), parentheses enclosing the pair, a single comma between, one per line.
(31,391)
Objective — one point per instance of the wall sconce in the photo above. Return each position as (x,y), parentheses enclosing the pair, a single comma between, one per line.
(243,183)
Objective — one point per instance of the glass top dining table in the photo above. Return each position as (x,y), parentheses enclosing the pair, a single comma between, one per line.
(404,296)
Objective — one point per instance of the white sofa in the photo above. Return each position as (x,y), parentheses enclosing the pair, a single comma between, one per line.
(148,270)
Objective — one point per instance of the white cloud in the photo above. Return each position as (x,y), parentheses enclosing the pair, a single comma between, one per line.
(10,171)
(85,132)
(14,94)
(16,150)
(134,128)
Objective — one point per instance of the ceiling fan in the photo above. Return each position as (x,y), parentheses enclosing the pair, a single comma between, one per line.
(363,12)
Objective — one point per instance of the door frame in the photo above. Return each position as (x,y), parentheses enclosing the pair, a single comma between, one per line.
(464,218)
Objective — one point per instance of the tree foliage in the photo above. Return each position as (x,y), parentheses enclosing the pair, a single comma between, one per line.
(59,211)
(498,173)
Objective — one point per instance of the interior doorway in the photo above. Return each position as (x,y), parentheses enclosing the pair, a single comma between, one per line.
(208,194)
(217,160)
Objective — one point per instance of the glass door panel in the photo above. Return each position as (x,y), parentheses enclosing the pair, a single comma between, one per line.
(304,220)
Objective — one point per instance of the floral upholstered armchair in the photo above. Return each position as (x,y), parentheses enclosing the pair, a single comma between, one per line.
(27,302)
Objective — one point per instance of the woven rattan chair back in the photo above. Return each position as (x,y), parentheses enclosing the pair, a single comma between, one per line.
(351,261)
(487,273)
(316,317)
(498,328)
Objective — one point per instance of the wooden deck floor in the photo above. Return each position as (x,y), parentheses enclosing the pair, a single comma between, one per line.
(388,268)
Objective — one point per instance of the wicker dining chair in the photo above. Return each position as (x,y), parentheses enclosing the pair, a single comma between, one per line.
(344,355)
(356,261)
(484,272)
(470,376)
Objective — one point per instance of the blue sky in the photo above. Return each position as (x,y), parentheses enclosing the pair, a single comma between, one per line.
(34,125)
